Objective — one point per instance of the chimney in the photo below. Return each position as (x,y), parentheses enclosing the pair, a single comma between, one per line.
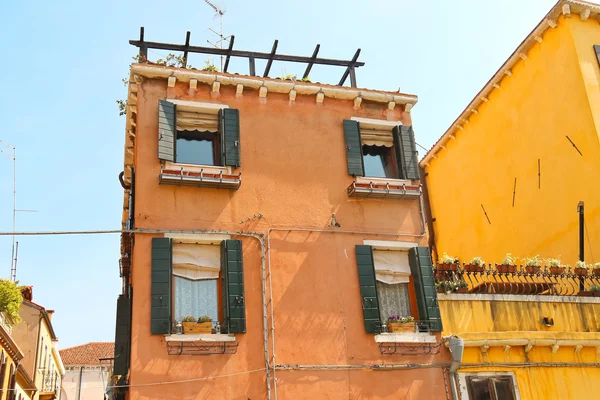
(50,313)
(27,293)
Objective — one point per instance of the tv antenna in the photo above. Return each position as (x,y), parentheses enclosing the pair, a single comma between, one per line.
(222,39)
(14,250)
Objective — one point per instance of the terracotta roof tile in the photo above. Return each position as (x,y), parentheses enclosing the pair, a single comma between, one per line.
(87,354)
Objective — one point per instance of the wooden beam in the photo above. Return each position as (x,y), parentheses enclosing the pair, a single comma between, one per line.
(252,66)
(310,64)
(185,52)
(351,65)
(142,46)
(270,62)
(229,53)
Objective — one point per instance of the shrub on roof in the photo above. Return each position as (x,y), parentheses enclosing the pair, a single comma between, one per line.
(10,300)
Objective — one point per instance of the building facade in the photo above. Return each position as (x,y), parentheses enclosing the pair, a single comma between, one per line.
(288,213)
(88,369)
(38,341)
(15,382)
(513,175)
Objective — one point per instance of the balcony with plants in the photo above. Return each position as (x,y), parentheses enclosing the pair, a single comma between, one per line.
(514,276)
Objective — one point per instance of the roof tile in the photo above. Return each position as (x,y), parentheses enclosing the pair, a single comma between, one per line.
(87,354)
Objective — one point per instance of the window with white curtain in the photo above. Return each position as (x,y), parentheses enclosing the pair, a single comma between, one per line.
(392,273)
(196,278)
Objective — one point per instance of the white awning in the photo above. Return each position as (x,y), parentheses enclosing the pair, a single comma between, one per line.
(391,266)
(377,137)
(196,261)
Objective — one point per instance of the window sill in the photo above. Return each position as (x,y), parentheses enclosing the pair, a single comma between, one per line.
(198,175)
(207,337)
(410,337)
(384,188)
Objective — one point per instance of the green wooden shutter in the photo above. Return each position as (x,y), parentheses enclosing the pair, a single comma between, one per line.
(421,269)
(167,131)
(406,152)
(160,321)
(230,131)
(368,289)
(354,155)
(122,336)
(232,281)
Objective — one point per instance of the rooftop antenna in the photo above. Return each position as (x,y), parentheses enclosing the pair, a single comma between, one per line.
(219,43)
(14,250)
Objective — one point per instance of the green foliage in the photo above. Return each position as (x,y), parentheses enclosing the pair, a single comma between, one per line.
(509,260)
(122,107)
(403,319)
(597,265)
(173,60)
(189,318)
(10,300)
(553,262)
(595,288)
(478,261)
(533,261)
(204,318)
(446,259)
(580,264)
(209,66)
(288,77)
(307,79)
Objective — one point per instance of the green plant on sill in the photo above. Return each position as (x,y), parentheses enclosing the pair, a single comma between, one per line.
(204,318)
(403,319)
(10,301)
(553,262)
(189,318)
(307,79)
(446,259)
(533,261)
(509,259)
(209,66)
(288,77)
(595,288)
(478,261)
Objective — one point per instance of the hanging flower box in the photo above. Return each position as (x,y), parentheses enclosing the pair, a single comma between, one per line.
(557,270)
(580,271)
(398,324)
(532,269)
(202,326)
(447,267)
(473,268)
(506,269)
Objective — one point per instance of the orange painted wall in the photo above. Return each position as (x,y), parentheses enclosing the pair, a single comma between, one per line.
(294,172)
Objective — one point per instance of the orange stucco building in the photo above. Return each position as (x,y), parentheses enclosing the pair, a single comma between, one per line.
(290,213)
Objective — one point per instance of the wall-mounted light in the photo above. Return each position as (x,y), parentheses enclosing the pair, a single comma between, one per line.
(547,321)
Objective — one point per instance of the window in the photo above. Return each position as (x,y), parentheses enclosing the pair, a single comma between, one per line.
(392,273)
(380,149)
(198,133)
(197,275)
(491,387)
(197,147)
(2,372)
(380,162)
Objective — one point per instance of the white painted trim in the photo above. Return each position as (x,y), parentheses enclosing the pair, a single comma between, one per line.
(462,382)
(409,337)
(198,238)
(200,338)
(517,297)
(371,123)
(390,245)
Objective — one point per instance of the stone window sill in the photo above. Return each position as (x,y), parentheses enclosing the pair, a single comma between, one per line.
(409,337)
(201,338)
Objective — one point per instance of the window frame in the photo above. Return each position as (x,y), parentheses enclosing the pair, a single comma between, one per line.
(463,379)
(216,144)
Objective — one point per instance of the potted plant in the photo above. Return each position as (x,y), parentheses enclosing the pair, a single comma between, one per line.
(508,264)
(461,286)
(555,266)
(201,325)
(399,323)
(448,263)
(475,265)
(580,268)
(532,264)
(593,292)
(596,269)
(205,324)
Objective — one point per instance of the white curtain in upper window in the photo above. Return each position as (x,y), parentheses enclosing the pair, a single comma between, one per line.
(196,261)
(391,266)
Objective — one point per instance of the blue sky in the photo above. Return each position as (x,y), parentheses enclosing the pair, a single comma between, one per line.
(61,75)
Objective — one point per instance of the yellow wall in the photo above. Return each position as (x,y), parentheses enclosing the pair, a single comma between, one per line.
(526,119)
(493,319)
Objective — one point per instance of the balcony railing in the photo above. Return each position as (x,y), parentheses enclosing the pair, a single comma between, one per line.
(50,382)
(5,323)
(518,280)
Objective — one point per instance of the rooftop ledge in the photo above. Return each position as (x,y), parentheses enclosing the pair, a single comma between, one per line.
(265,85)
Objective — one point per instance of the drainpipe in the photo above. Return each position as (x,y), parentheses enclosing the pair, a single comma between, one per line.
(581,241)
(457,347)
(79,384)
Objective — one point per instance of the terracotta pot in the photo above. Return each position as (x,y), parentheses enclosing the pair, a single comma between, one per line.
(581,271)
(596,271)
(448,267)
(531,269)
(505,269)
(585,293)
(473,268)
(557,270)
(462,290)
(441,289)
(399,327)
(197,328)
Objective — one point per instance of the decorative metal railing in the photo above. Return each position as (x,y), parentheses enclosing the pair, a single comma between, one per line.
(50,382)
(522,280)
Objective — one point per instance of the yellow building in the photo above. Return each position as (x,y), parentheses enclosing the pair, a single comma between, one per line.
(14,380)
(507,177)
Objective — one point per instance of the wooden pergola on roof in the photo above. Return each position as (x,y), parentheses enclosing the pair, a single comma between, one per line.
(349,65)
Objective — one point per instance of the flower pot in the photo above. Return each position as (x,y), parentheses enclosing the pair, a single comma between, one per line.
(197,328)
(395,327)
(505,269)
(473,268)
(596,271)
(532,269)
(580,271)
(557,270)
(462,290)
(448,267)
(585,293)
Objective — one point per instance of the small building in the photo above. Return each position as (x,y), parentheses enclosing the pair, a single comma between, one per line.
(38,342)
(88,368)
(13,376)
(516,173)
